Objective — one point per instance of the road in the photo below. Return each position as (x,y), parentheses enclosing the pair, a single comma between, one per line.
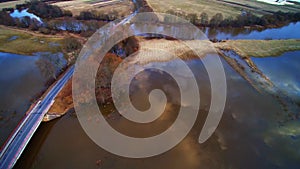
(16,144)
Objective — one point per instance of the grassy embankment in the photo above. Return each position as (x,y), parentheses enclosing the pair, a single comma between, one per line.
(20,42)
(260,48)
(244,48)
(229,8)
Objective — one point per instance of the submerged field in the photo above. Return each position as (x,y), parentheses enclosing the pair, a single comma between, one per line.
(257,130)
(252,116)
(229,8)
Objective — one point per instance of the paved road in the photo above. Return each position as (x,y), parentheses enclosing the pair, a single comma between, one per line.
(21,136)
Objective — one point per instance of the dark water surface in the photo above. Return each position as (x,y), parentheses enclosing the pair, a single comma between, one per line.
(290,31)
(21,79)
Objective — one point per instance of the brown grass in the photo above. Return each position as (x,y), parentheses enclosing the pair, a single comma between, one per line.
(26,43)
(229,8)
(161,50)
(76,6)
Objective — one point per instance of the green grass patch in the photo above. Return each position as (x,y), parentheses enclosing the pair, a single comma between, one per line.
(27,44)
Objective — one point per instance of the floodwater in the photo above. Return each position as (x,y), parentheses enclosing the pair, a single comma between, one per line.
(24,13)
(283,71)
(236,33)
(21,79)
(290,31)
(246,137)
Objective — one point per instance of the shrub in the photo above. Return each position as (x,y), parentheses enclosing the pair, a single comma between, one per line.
(71,44)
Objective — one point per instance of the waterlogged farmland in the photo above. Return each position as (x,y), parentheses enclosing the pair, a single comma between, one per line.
(260,127)
(245,137)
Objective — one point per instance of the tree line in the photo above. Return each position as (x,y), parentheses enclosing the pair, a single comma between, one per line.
(95,15)
(54,19)
(244,19)
(41,9)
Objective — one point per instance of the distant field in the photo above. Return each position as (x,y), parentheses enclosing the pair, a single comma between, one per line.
(226,7)
(261,6)
(123,7)
(11,4)
(194,6)
(18,42)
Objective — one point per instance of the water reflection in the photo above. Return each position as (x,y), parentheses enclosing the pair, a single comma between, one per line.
(282,71)
(290,31)
(50,65)
(21,80)
(231,33)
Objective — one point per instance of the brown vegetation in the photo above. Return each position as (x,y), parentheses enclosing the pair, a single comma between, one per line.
(63,101)
(104,76)
(166,50)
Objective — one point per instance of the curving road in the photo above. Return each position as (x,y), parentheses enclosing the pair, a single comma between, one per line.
(16,144)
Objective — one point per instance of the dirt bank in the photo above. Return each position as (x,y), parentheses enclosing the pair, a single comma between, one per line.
(63,101)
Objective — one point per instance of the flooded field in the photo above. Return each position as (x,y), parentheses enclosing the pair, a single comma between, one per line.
(22,78)
(244,139)
(250,134)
